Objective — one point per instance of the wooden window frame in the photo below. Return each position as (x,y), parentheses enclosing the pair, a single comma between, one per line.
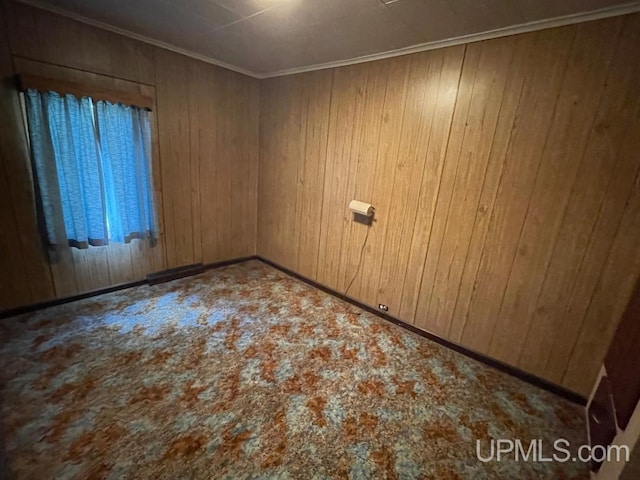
(63,87)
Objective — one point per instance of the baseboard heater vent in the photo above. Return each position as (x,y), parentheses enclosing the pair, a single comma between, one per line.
(175,273)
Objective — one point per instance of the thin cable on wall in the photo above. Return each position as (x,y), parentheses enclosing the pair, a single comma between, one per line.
(364,244)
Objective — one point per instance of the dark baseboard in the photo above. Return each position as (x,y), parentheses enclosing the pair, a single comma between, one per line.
(60,301)
(114,288)
(492,362)
(174,273)
(233,261)
(489,361)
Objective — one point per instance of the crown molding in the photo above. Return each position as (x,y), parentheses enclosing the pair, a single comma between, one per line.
(623,9)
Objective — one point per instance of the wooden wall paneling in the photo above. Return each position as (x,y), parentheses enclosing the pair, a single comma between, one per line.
(270,105)
(301,83)
(622,362)
(233,160)
(458,198)
(476,144)
(21,32)
(318,87)
(92,266)
(547,64)
(13,291)
(613,290)
(10,293)
(589,283)
(145,256)
(359,172)
(471,259)
(597,171)
(244,178)
(434,160)
(496,163)
(30,276)
(501,253)
(244,159)
(616,125)
(278,235)
(334,210)
(131,60)
(200,80)
(367,124)
(289,161)
(119,257)
(293,151)
(446,182)
(173,132)
(421,102)
(40,35)
(384,176)
(204,96)
(96,48)
(408,167)
(574,113)
(225,165)
(284,116)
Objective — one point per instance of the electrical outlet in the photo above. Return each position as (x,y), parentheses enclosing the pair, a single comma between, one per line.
(384,308)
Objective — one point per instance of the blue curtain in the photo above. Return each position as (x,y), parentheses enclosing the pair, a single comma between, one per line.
(93,169)
(125,141)
(68,168)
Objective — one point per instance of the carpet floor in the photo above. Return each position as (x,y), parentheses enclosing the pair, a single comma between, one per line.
(243,372)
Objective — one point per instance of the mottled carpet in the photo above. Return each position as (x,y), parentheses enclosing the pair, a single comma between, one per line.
(244,372)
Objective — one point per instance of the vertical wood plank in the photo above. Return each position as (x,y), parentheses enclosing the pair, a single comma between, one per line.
(317,102)
(612,292)
(477,142)
(173,132)
(460,121)
(385,173)
(497,161)
(334,210)
(547,64)
(432,172)
(367,122)
(573,118)
(599,169)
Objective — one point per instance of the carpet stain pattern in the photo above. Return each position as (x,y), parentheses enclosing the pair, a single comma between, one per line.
(244,372)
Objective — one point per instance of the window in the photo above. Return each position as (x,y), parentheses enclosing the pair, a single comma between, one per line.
(92,164)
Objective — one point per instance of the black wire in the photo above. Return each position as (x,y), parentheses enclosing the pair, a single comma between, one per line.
(364,243)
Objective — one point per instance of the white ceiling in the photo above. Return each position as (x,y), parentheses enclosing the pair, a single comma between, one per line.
(267,37)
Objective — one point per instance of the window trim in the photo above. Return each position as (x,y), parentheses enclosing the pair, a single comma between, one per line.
(79,90)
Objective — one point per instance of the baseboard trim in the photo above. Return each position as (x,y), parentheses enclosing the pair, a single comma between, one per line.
(61,301)
(233,261)
(114,288)
(489,361)
(174,273)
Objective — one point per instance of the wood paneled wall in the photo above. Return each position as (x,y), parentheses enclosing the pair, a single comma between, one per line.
(205,128)
(504,175)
